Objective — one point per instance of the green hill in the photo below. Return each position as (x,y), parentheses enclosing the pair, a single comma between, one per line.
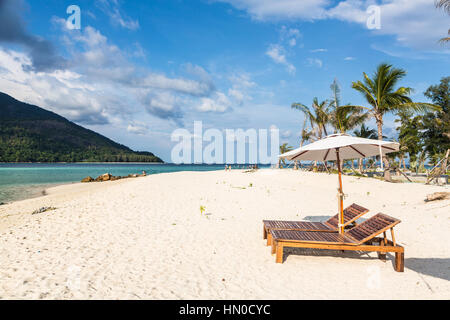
(31,134)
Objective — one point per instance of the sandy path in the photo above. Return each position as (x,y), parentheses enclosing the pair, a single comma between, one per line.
(146,238)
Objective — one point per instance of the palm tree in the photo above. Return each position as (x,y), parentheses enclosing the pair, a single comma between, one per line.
(343,118)
(346,118)
(283,149)
(317,115)
(305,134)
(364,132)
(336,103)
(383,97)
(445,4)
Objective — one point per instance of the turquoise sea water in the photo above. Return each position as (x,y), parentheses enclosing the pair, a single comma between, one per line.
(21,181)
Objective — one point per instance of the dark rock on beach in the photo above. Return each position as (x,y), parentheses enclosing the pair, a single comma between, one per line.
(110,177)
(87,179)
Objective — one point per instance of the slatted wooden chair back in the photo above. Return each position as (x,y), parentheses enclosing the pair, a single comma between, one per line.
(351,214)
(372,227)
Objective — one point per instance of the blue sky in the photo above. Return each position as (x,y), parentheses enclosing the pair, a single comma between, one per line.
(137,70)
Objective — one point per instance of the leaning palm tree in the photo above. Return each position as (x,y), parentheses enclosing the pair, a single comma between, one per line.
(343,118)
(383,97)
(283,149)
(305,134)
(318,117)
(444,4)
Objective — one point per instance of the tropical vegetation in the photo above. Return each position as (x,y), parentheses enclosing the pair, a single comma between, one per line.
(423,128)
(444,4)
(283,149)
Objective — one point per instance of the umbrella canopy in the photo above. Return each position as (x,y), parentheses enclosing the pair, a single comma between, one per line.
(341,147)
(349,148)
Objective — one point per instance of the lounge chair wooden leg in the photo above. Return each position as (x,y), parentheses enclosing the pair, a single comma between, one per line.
(279,249)
(274,248)
(400,261)
(269,239)
(382,255)
(264,232)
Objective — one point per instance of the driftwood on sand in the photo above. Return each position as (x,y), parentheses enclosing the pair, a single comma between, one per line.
(438,196)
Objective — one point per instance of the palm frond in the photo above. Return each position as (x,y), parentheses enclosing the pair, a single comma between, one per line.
(336,90)
(365,132)
(444,4)
(421,107)
(365,91)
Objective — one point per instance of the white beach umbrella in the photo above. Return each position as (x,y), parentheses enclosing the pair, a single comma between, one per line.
(339,147)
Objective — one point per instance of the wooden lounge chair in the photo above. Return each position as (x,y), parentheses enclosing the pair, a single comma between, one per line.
(359,238)
(351,214)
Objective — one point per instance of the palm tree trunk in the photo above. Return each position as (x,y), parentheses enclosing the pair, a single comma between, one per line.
(360,166)
(387,172)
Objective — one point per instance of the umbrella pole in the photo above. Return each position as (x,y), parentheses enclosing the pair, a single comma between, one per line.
(340,195)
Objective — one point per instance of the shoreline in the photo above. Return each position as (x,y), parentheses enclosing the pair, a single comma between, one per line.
(75,173)
(41,190)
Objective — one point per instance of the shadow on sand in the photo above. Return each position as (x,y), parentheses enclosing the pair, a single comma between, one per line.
(316,218)
(434,267)
(325,218)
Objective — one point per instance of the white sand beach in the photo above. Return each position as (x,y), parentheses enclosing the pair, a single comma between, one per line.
(145,238)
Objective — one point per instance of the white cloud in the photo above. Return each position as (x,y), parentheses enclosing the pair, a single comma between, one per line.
(187,86)
(199,73)
(349,58)
(319,50)
(241,84)
(242,81)
(138,128)
(236,94)
(112,9)
(314,62)
(277,53)
(281,9)
(413,23)
(290,35)
(64,92)
(163,104)
(139,51)
(102,86)
(218,103)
